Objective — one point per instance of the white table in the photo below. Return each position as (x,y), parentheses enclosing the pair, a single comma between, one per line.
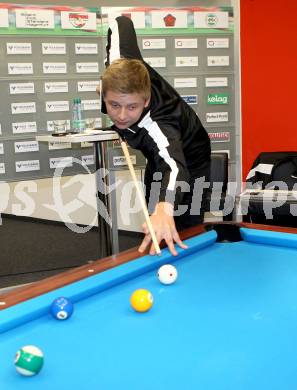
(108,239)
(87,136)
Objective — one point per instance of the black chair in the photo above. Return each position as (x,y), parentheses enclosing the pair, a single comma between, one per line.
(217,199)
(282,175)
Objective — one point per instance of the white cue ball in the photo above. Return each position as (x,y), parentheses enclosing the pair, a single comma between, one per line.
(167,274)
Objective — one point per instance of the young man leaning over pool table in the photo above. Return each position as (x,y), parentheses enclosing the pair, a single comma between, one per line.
(152,117)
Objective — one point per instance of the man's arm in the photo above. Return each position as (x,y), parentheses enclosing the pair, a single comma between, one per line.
(164,147)
(122,41)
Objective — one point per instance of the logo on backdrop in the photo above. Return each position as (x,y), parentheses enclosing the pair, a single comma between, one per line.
(78,20)
(211,20)
(217,98)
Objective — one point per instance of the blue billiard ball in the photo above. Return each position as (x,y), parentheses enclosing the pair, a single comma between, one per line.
(61,308)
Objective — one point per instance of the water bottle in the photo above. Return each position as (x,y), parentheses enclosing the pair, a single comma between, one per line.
(78,124)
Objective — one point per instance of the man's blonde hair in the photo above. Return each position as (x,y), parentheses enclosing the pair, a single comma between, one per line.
(127,76)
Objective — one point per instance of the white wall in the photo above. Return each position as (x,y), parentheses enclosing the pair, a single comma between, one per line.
(71,199)
(46,199)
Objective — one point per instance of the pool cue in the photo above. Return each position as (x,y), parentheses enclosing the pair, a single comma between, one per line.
(141,197)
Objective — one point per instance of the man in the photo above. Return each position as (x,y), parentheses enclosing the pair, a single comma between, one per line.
(151,116)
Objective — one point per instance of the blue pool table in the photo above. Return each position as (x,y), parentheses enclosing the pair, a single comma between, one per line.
(228,323)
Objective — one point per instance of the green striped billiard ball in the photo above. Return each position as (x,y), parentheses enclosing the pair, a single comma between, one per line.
(28,360)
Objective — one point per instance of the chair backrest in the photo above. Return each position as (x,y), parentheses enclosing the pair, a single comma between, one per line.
(219,169)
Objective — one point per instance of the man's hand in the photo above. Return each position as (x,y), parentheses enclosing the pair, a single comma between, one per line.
(164,227)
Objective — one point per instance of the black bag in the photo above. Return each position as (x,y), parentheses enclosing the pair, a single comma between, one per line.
(271,167)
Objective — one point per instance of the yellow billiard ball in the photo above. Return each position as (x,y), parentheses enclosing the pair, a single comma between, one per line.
(141,300)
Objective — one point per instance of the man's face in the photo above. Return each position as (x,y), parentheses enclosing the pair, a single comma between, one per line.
(124,109)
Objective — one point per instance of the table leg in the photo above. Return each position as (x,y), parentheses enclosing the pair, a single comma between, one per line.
(103,202)
(113,212)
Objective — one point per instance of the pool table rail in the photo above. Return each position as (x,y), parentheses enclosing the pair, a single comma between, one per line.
(54,282)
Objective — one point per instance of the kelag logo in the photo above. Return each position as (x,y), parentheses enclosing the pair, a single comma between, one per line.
(217,98)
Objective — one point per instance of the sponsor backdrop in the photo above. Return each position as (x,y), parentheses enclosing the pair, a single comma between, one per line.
(51,54)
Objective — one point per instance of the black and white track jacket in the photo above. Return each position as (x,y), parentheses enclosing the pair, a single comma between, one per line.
(169,132)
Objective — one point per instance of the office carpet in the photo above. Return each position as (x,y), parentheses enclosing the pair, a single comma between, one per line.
(32,249)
